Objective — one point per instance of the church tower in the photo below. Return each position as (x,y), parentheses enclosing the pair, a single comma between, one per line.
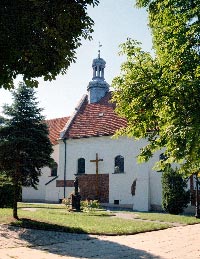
(98,87)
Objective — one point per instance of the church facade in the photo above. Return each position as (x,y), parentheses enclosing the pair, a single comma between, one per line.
(106,167)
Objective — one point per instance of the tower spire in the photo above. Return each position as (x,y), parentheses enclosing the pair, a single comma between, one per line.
(98,87)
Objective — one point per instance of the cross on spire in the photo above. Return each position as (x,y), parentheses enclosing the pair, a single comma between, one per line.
(100,45)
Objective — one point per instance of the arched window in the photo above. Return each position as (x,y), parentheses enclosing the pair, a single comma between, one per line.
(81,166)
(54,169)
(119,164)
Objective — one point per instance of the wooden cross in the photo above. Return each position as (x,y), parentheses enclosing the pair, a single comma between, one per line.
(97,160)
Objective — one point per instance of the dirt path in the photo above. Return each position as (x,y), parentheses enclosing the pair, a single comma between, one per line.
(174,243)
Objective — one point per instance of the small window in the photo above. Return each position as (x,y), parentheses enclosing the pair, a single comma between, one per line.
(54,169)
(81,166)
(119,164)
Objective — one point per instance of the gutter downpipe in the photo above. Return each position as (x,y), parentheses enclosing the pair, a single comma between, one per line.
(65,162)
(63,134)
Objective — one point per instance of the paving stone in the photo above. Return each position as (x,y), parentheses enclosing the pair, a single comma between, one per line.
(174,243)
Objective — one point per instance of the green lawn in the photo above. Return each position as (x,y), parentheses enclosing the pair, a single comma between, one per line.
(56,217)
(40,205)
(164,217)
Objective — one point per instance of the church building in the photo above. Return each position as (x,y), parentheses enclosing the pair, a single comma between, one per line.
(106,167)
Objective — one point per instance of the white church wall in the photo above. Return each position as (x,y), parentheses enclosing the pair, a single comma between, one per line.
(156,189)
(69,191)
(107,150)
(53,193)
(155,182)
(30,194)
(61,167)
(71,167)
(119,184)
(41,194)
(55,154)
(141,199)
(148,183)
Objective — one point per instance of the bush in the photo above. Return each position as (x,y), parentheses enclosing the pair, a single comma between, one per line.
(67,202)
(175,197)
(6,192)
(86,205)
(90,205)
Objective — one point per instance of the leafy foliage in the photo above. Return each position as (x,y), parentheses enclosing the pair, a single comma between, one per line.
(86,205)
(68,202)
(174,195)
(159,95)
(40,37)
(6,192)
(90,205)
(24,144)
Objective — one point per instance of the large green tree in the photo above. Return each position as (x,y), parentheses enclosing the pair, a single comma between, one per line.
(159,93)
(39,37)
(24,144)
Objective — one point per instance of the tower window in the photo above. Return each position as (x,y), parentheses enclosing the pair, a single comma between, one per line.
(119,164)
(81,166)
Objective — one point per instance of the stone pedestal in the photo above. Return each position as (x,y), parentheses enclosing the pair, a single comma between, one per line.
(76,202)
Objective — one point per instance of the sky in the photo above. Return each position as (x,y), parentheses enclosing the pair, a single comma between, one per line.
(115,21)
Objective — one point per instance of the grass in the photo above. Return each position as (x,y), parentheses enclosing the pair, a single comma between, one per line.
(56,217)
(40,205)
(5,216)
(164,217)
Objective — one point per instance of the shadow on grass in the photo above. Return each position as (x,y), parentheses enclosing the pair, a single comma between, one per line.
(58,243)
(41,207)
(34,224)
(90,214)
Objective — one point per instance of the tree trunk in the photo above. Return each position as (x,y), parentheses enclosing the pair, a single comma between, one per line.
(16,195)
(197,210)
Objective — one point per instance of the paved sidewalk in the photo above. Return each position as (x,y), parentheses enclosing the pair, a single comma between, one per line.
(181,242)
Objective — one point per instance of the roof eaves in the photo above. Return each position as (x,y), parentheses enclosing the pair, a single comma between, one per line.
(70,121)
(91,136)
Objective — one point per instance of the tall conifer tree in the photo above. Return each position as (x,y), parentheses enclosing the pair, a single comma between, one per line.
(24,144)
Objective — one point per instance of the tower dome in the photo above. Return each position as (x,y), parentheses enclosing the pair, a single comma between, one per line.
(98,87)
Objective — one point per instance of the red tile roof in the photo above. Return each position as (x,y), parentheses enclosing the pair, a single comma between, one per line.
(95,119)
(55,126)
